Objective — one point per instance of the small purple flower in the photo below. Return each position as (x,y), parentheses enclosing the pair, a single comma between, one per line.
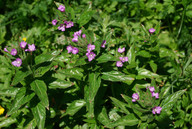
(13,52)
(69,24)
(103,44)
(90,55)
(54,22)
(75,39)
(83,36)
(61,27)
(152,89)
(135,97)
(75,50)
(90,47)
(152,30)
(78,33)
(23,44)
(61,8)
(5,49)
(119,64)
(156,95)
(121,50)
(31,47)
(123,59)
(17,62)
(156,110)
(69,49)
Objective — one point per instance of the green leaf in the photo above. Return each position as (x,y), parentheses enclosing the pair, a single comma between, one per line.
(40,89)
(153,66)
(120,104)
(9,92)
(60,84)
(105,58)
(131,55)
(164,52)
(102,117)
(7,122)
(19,76)
(116,76)
(42,70)
(46,57)
(144,73)
(91,92)
(72,73)
(129,120)
(39,114)
(75,106)
(144,53)
(81,61)
(20,99)
(31,125)
(85,17)
(169,101)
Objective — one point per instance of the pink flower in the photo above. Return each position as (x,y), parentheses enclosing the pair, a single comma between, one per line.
(135,97)
(83,36)
(121,50)
(61,27)
(61,8)
(103,44)
(152,30)
(152,89)
(90,47)
(23,44)
(123,59)
(75,39)
(31,47)
(13,52)
(156,95)
(54,22)
(69,49)
(75,50)
(119,64)
(69,24)
(156,110)
(5,49)
(17,62)
(90,55)
(78,33)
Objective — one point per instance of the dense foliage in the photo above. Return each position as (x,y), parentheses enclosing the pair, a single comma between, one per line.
(96,64)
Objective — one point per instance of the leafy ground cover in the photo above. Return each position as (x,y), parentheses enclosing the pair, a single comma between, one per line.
(96,64)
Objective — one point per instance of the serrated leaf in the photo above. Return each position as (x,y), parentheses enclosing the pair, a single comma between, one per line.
(9,92)
(131,55)
(7,122)
(144,73)
(144,53)
(129,120)
(60,84)
(31,125)
(19,76)
(116,76)
(169,101)
(75,106)
(72,73)
(120,104)
(42,70)
(40,89)
(39,114)
(105,58)
(81,61)
(102,117)
(85,17)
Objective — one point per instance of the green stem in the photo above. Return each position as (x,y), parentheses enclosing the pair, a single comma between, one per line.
(181,25)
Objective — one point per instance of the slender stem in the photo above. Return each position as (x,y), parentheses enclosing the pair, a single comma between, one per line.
(181,25)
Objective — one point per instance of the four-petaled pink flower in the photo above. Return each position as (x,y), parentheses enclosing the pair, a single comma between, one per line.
(103,44)
(119,64)
(69,24)
(156,110)
(135,97)
(13,52)
(123,59)
(151,89)
(90,47)
(121,50)
(90,55)
(31,47)
(152,30)
(61,27)
(54,22)
(78,33)
(75,50)
(83,36)
(156,95)
(69,49)
(17,62)
(61,8)
(75,39)
(23,44)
